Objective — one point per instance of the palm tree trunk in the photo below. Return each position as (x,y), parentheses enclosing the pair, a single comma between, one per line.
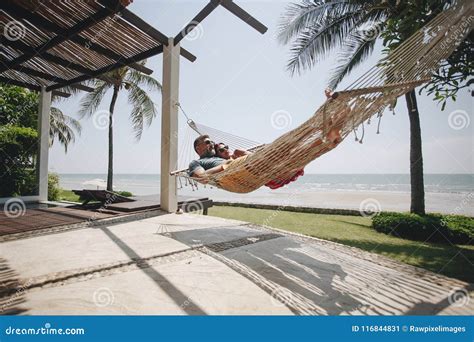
(110,168)
(417,205)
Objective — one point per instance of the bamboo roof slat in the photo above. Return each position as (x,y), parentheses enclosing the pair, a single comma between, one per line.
(53,43)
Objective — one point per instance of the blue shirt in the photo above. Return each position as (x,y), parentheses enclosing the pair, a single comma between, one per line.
(205,163)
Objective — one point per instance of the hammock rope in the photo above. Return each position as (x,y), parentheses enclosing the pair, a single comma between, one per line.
(409,65)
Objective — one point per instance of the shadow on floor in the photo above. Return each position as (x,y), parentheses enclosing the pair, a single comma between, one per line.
(313,280)
(12,291)
(172,291)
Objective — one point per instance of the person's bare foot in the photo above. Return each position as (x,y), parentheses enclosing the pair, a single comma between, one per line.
(328,92)
(334,136)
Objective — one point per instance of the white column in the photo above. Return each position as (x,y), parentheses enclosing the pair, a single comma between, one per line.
(43,136)
(169,127)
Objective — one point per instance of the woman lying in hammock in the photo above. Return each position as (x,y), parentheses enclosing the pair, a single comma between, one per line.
(222,151)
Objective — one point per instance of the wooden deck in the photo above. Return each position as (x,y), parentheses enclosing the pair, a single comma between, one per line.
(41,216)
(148,202)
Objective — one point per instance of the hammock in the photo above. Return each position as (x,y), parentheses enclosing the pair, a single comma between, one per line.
(405,68)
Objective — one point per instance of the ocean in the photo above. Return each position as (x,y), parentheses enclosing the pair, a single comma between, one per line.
(448,193)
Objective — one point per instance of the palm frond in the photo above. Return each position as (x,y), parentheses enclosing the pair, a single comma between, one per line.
(355,51)
(92,100)
(70,90)
(321,26)
(62,127)
(315,44)
(299,17)
(141,79)
(143,109)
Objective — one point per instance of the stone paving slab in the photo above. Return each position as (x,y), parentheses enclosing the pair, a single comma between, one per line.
(194,264)
(208,288)
(318,279)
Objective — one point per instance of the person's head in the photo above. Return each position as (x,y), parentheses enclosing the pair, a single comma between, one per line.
(204,146)
(222,151)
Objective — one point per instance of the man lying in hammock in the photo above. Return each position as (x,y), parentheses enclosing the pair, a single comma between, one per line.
(208,163)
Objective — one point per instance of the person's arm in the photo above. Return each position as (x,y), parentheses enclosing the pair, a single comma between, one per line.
(239,153)
(195,169)
(218,168)
(199,172)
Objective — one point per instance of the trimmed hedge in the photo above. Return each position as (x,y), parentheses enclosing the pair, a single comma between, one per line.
(125,193)
(430,227)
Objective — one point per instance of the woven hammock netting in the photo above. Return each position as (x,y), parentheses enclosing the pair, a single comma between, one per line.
(411,64)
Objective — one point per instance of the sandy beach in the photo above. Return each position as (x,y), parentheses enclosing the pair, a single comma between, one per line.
(448,194)
(447,203)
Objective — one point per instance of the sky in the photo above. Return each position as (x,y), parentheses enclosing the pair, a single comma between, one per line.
(239,84)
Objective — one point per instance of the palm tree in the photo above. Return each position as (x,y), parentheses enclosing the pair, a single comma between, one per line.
(314,28)
(143,108)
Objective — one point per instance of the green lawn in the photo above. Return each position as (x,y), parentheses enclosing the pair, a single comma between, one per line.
(452,261)
(68,195)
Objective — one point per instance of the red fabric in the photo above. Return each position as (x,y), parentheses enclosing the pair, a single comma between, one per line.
(278,183)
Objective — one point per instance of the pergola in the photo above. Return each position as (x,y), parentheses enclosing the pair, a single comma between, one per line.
(48,45)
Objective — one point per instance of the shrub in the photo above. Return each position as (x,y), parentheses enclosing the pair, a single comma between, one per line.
(18,148)
(53,187)
(125,193)
(431,227)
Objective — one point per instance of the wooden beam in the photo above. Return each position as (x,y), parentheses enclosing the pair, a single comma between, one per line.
(243,15)
(26,49)
(36,73)
(60,93)
(186,54)
(211,6)
(30,86)
(97,73)
(135,20)
(18,45)
(153,32)
(23,14)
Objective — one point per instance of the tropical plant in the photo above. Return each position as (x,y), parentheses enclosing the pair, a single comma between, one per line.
(19,107)
(18,148)
(143,108)
(351,27)
(19,138)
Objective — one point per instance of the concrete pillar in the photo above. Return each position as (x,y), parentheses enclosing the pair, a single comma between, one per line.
(43,135)
(169,126)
